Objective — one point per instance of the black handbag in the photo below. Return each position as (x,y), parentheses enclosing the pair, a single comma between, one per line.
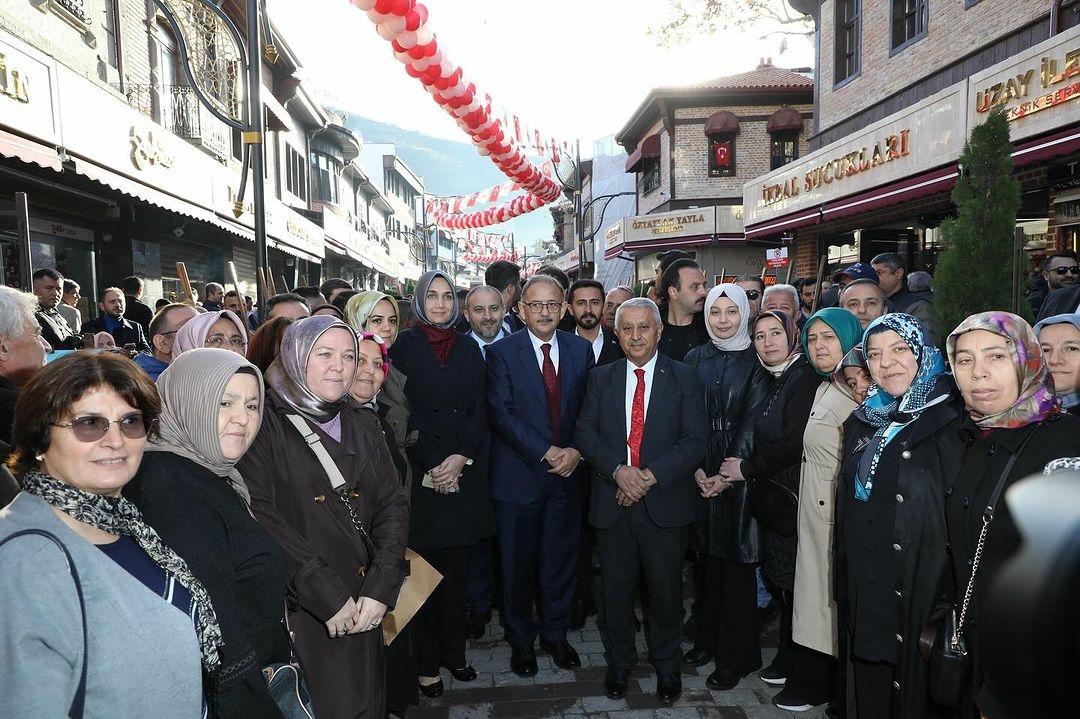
(288,689)
(774,505)
(949,675)
(78,703)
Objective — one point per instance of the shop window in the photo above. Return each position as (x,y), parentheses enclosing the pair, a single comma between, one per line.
(650,174)
(848,39)
(784,148)
(295,174)
(722,155)
(909,20)
(324,178)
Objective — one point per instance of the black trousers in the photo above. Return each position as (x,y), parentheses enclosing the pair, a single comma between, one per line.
(874,692)
(631,545)
(729,626)
(439,634)
(810,674)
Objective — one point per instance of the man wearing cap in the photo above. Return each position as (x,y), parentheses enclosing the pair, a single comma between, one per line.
(857,271)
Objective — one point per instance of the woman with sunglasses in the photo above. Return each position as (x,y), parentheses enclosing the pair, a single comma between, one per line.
(80,429)
(211,411)
(217,330)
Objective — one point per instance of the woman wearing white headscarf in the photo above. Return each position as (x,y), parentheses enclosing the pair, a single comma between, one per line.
(216,330)
(211,409)
(735,385)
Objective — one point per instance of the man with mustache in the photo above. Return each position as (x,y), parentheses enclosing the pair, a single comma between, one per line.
(586,300)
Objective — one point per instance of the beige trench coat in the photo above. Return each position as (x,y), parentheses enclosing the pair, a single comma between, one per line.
(814,615)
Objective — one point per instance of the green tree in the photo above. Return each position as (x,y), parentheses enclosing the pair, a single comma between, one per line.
(974,273)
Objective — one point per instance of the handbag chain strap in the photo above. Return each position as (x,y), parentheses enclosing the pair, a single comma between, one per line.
(988,516)
(337,481)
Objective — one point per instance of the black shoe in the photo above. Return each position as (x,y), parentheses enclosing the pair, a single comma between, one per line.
(615,682)
(431,691)
(696,657)
(465,674)
(523,661)
(723,679)
(562,654)
(668,688)
(476,625)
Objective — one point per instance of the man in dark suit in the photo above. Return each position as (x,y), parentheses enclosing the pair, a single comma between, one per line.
(134,308)
(586,299)
(1061,302)
(643,430)
(111,320)
(535,387)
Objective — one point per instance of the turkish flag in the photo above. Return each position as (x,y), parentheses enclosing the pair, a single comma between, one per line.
(722,153)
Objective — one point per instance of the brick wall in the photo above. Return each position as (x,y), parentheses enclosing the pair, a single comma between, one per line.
(953,32)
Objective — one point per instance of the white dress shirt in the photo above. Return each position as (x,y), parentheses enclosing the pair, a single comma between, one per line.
(554,353)
(484,343)
(597,344)
(631,387)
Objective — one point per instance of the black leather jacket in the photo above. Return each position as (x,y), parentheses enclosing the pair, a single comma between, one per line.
(735,385)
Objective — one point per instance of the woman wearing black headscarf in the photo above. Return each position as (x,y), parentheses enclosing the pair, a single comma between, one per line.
(337,592)
(451,499)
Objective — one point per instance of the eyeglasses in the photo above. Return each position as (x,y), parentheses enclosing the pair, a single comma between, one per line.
(91,429)
(220,340)
(539,307)
(1073,270)
(752,294)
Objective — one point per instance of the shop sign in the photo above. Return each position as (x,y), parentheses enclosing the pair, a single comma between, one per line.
(613,236)
(1067,213)
(57,229)
(13,82)
(148,148)
(27,102)
(835,169)
(568,261)
(681,223)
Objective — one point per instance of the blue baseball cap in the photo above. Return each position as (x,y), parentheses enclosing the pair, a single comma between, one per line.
(857,271)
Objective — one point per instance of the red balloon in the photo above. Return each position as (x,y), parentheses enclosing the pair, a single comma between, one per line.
(439,99)
(467,98)
(397,48)
(384,6)
(412,71)
(412,21)
(417,51)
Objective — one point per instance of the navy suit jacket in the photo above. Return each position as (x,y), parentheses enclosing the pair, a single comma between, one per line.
(673,445)
(127,333)
(518,411)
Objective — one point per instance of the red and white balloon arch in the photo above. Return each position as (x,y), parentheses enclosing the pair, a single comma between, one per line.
(403,23)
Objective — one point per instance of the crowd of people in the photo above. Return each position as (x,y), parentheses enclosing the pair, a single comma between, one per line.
(829,451)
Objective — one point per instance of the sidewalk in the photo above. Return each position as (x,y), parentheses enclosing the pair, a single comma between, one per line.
(553,692)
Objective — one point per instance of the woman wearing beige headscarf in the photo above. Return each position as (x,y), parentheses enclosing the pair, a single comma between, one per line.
(216,330)
(377,313)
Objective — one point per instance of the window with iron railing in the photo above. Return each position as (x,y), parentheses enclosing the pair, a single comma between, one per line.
(178,109)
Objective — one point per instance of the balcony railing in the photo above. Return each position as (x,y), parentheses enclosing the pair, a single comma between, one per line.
(178,109)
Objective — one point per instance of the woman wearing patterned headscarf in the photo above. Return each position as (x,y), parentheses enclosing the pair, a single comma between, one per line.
(451,505)
(735,385)
(1011,408)
(826,338)
(901,452)
(774,463)
(338,586)
(211,409)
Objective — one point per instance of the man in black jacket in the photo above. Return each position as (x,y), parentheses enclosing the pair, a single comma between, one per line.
(134,308)
(54,328)
(644,498)
(111,320)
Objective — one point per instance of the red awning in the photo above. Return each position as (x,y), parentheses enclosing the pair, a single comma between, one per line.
(810,216)
(649,148)
(29,151)
(1061,143)
(784,119)
(722,122)
(911,188)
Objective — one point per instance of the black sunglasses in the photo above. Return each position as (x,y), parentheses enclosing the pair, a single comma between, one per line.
(1073,270)
(752,294)
(91,429)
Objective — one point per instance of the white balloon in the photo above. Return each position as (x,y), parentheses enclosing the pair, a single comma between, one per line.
(364,5)
(422,64)
(402,57)
(396,23)
(446,68)
(407,39)
(424,35)
(437,58)
(376,16)
(385,31)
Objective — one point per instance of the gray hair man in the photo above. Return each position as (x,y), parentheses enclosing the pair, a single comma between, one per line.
(781,297)
(163,328)
(22,350)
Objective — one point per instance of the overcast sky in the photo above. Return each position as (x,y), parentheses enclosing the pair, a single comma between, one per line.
(574,69)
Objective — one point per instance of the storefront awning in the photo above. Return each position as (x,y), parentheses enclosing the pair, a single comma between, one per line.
(657,244)
(810,216)
(1060,143)
(649,148)
(912,188)
(722,122)
(784,119)
(29,151)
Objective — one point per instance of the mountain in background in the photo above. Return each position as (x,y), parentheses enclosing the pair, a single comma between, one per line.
(451,168)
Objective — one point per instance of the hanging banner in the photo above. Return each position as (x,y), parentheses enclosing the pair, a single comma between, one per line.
(485,248)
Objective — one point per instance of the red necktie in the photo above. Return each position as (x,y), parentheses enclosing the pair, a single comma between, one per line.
(552,389)
(637,420)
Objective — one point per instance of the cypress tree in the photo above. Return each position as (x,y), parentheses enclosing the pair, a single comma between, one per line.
(974,273)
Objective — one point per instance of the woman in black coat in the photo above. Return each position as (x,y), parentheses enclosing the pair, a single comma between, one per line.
(776,460)
(900,452)
(190,492)
(1011,411)
(735,384)
(451,498)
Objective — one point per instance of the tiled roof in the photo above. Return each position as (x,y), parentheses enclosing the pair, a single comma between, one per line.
(764,76)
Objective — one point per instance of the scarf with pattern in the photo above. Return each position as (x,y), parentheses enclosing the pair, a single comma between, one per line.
(117,515)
